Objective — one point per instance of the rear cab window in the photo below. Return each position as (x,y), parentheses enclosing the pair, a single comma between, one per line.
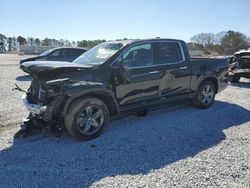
(170,52)
(71,52)
(68,52)
(79,52)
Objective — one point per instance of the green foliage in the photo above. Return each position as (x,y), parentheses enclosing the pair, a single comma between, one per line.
(89,43)
(45,42)
(2,42)
(9,42)
(222,43)
(21,40)
(37,42)
(234,41)
(31,41)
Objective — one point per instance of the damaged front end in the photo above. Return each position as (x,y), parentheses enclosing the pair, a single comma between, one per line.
(44,102)
(239,65)
(46,97)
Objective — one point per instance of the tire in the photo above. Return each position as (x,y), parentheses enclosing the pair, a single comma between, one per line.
(205,95)
(85,114)
(234,79)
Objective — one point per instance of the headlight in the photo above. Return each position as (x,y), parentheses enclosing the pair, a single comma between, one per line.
(53,89)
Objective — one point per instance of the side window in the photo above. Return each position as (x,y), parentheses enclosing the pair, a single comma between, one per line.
(55,53)
(79,52)
(67,52)
(141,55)
(72,52)
(169,52)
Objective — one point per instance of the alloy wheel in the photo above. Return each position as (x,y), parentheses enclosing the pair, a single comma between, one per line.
(207,94)
(90,120)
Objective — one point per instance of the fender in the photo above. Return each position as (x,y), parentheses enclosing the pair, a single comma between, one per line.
(84,88)
(208,77)
(212,77)
(199,78)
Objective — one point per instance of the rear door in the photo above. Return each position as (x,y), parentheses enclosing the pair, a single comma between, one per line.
(176,80)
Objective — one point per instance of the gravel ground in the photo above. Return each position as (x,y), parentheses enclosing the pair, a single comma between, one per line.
(181,146)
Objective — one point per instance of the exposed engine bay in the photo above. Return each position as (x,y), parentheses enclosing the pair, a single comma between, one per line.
(239,65)
(42,110)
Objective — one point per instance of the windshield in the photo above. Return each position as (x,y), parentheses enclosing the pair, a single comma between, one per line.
(99,54)
(46,52)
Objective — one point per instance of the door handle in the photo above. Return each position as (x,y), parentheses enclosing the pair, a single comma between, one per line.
(147,73)
(183,68)
(153,72)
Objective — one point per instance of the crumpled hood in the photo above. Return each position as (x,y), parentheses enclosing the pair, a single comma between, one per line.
(47,66)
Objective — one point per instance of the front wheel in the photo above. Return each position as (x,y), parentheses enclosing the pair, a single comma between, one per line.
(87,118)
(205,95)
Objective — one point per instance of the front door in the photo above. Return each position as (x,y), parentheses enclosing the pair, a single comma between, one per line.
(139,79)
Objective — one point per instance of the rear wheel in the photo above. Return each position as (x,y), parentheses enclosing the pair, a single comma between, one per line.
(87,118)
(205,95)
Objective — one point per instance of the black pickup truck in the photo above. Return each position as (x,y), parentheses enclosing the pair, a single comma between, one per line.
(119,77)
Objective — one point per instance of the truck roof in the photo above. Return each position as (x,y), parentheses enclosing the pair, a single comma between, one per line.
(132,41)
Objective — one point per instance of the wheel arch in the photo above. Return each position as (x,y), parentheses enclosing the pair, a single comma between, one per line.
(102,94)
(213,80)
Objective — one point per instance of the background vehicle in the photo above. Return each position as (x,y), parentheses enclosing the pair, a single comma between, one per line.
(58,54)
(240,65)
(120,77)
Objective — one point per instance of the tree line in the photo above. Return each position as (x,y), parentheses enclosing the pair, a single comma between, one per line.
(13,43)
(226,42)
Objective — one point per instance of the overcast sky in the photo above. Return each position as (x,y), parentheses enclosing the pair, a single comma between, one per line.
(114,19)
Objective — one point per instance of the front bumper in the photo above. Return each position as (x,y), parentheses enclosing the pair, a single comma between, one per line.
(33,108)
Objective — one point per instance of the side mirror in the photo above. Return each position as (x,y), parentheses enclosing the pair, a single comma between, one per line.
(121,70)
(118,65)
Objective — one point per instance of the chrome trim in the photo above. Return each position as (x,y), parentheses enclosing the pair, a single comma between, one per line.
(183,68)
(182,51)
(153,72)
(150,42)
(33,108)
(154,65)
(40,92)
(147,73)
